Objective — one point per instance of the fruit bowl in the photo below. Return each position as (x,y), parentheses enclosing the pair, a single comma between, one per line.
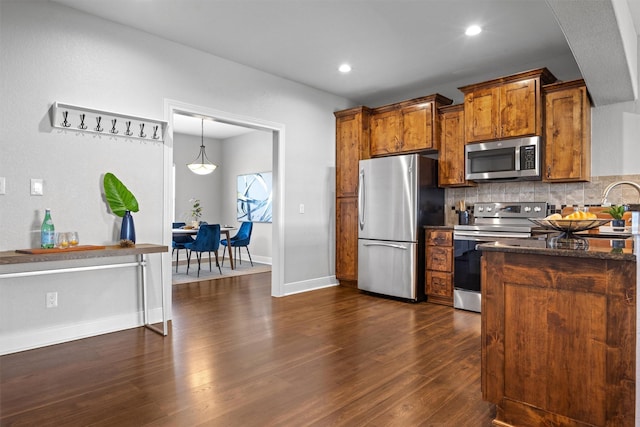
(569,225)
(567,239)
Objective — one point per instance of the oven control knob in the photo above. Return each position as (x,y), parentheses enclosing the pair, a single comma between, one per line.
(527,208)
(488,209)
(537,209)
(480,208)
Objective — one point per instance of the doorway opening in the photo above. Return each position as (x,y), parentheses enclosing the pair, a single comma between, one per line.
(172,108)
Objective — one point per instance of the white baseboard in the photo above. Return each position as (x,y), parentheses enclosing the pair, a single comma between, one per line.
(36,338)
(310,285)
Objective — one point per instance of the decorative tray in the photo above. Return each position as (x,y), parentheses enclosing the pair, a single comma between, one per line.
(569,225)
(38,251)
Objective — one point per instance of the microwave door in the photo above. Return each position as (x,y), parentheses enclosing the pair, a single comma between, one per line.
(514,159)
(495,163)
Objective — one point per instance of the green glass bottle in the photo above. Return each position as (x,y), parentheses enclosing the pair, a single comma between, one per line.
(47,231)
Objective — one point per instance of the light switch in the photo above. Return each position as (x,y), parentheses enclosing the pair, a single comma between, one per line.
(3,185)
(301,209)
(37,187)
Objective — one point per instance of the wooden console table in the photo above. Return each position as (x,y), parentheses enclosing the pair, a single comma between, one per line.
(139,250)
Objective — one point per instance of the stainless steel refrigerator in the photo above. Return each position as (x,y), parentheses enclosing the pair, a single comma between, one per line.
(397,197)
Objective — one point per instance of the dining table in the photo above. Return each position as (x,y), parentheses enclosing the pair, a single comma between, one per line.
(226,229)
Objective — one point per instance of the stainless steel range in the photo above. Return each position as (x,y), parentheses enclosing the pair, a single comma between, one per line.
(493,222)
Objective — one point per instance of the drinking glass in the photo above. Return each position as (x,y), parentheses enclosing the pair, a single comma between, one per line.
(72,236)
(62,240)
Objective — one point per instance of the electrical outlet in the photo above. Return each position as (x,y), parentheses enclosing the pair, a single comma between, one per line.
(3,185)
(52,299)
(301,208)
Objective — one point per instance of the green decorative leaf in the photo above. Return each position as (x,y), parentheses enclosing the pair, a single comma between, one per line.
(118,196)
(617,211)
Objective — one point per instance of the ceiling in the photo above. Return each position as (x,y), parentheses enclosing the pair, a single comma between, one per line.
(191,125)
(399,49)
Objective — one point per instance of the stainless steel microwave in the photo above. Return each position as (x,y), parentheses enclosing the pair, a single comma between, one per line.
(508,160)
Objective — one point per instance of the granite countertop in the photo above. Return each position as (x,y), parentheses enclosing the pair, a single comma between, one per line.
(442,227)
(598,248)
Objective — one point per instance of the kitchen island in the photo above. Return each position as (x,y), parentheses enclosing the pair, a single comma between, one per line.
(559,334)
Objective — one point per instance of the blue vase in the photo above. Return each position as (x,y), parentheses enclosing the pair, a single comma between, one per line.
(128,231)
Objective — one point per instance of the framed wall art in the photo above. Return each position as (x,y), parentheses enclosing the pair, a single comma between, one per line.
(255,197)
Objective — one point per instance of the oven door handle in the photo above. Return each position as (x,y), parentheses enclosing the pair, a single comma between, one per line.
(489,236)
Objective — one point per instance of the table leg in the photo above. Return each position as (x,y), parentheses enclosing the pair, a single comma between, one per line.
(226,232)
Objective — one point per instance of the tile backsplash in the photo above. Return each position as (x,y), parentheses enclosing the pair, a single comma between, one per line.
(579,193)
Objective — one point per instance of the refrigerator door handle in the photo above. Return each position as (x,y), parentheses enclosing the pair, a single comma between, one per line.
(389,245)
(361,199)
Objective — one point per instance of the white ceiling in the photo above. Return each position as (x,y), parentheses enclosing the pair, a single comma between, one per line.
(398,49)
(196,126)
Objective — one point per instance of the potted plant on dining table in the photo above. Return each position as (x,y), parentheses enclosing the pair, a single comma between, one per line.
(196,212)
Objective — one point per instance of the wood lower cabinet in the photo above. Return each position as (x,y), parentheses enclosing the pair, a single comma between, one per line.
(439,262)
(408,126)
(347,239)
(567,132)
(558,339)
(451,162)
(507,107)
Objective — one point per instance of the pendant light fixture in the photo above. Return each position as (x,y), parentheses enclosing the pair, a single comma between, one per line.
(202,165)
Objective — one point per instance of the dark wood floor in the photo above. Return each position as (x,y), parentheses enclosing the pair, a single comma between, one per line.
(237,357)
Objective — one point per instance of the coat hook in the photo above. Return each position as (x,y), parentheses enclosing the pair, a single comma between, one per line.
(142,134)
(128,132)
(65,123)
(155,132)
(113,126)
(82,125)
(98,120)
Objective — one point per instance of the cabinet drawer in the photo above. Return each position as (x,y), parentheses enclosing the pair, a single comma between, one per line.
(440,258)
(439,283)
(439,237)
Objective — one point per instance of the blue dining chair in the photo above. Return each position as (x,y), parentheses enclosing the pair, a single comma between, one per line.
(178,241)
(207,240)
(240,240)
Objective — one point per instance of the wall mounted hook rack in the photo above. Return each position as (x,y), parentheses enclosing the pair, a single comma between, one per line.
(74,118)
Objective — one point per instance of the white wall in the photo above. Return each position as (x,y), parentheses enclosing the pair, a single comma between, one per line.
(244,154)
(614,136)
(52,53)
(206,188)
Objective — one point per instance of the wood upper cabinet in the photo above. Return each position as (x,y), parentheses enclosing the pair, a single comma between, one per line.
(386,132)
(408,126)
(451,166)
(482,108)
(352,144)
(567,132)
(417,127)
(507,107)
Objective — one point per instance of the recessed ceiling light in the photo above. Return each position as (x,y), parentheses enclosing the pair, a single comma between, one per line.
(344,68)
(473,30)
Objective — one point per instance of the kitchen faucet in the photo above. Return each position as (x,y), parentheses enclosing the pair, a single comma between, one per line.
(615,184)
